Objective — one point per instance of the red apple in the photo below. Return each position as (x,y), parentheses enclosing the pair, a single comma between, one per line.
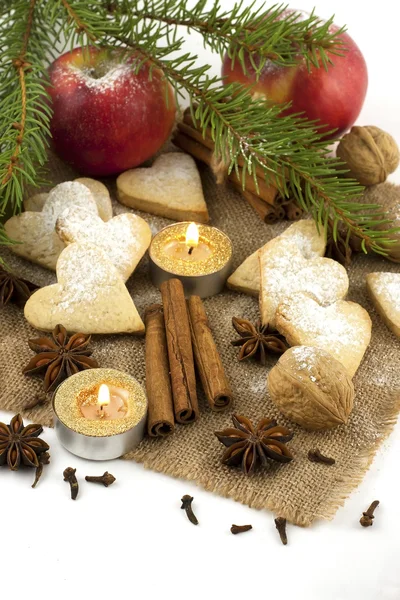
(106,118)
(333,97)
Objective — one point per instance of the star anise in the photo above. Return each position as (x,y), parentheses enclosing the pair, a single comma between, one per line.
(257,340)
(60,357)
(14,289)
(247,445)
(21,445)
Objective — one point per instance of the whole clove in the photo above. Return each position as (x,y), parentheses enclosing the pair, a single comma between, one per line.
(69,475)
(280,524)
(367,519)
(38,400)
(187,506)
(106,479)
(44,459)
(318,457)
(235,529)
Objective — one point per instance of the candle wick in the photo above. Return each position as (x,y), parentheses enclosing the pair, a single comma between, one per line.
(102,413)
(191,250)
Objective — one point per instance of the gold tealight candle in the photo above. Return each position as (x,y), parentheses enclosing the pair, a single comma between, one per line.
(199,255)
(100,413)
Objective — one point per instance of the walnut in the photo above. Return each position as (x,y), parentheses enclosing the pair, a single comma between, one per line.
(311,388)
(370,154)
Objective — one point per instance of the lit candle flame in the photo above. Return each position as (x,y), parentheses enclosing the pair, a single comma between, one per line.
(192,236)
(103,398)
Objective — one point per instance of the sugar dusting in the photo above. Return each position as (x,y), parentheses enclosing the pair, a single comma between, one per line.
(119,238)
(83,271)
(387,285)
(330,325)
(115,76)
(286,271)
(64,195)
(303,243)
(307,359)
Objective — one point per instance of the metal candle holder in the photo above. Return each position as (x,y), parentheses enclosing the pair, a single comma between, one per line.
(201,278)
(99,440)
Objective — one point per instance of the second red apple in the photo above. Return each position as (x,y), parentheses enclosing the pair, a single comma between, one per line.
(334,97)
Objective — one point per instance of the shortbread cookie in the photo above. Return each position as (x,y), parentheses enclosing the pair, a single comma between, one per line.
(35,231)
(99,191)
(90,296)
(246,278)
(36,202)
(170,188)
(384,289)
(101,196)
(304,234)
(124,239)
(285,271)
(343,329)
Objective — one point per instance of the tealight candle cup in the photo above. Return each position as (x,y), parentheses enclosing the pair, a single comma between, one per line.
(204,276)
(102,439)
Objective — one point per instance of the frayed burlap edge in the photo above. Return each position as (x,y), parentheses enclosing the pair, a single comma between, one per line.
(351,478)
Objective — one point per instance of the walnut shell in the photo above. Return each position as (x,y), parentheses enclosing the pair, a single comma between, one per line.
(311,388)
(370,153)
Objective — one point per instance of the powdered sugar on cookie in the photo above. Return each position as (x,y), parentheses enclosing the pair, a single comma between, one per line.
(384,289)
(35,231)
(388,285)
(90,296)
(343,329)
(285,271)
(124,239)
(303,235)
(170,188)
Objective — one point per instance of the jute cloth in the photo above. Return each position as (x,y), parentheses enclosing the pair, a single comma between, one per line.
(300,491)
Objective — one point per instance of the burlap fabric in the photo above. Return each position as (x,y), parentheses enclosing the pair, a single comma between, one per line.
(300,491)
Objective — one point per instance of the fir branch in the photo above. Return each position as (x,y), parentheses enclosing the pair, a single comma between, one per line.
(24,126)
(21,65)
(288,149)
(80,25)
(245,32)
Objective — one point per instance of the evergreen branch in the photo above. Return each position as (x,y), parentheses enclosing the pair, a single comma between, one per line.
(288,149)
(242,31)
(20,64)
(80,25)
(24,126)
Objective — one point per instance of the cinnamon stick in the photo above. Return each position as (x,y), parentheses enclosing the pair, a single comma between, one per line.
(190,131)
(180,352)
(161,420)
(268,213)
(198,150)
(208,361)
(293,211)
(189,127)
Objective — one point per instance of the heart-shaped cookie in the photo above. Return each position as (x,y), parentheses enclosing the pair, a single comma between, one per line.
(304,234)
(171,188)
(99,191)
(343,329)
(101,196)
(35,231)
(286,271)
(89,297)
(124,239)
(384,289)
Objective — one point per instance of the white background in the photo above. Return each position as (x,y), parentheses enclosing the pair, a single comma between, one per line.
(132,540)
